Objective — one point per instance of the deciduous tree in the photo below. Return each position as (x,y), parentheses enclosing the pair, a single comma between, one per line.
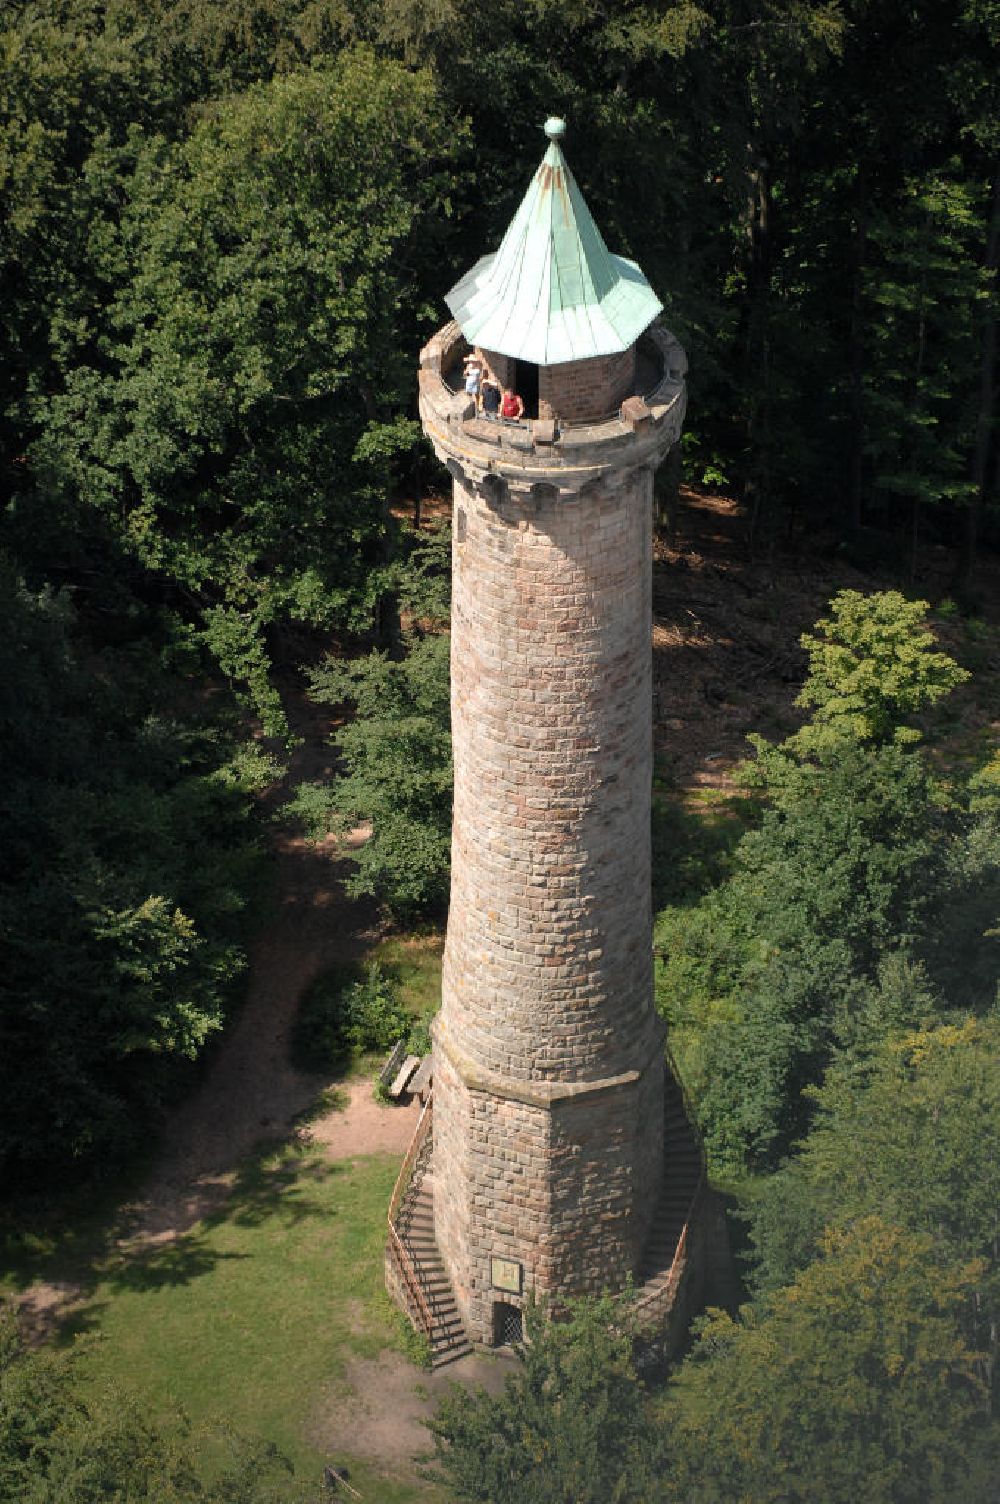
(854,1384)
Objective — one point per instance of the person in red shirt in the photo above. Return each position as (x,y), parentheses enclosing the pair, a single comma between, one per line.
(511,406)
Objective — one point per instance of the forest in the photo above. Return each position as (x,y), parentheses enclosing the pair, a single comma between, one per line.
(226,230)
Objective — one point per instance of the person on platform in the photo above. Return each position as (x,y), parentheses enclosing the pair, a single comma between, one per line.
(490,395)
(512,407)
(473,377)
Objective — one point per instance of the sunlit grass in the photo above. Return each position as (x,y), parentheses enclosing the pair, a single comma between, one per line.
(249,1319)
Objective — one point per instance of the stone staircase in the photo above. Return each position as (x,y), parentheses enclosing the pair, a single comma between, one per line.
(422,1280)
(415,1273)
(416,1229)
(683,1175)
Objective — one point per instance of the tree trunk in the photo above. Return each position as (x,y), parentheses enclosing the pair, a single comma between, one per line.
(987,396)
(666,495)
(757,349)
(914,403)
(857,352)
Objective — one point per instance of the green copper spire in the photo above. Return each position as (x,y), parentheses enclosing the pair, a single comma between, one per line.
(553,291)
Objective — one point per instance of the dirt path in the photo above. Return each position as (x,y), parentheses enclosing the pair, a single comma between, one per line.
(726,660)
(251,1093)
(380,1409)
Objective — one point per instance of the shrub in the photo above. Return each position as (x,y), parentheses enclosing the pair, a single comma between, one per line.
(344,1014)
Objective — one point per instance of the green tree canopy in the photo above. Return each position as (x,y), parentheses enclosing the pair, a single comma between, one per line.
(397,773)
(836,922)
(127,858)
(571,1426)
(58,1448)
(810,942)
(873,666)
(852,1385)
(911,1134)
(237,427)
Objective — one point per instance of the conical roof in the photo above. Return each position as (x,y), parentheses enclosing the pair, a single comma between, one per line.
(553,291)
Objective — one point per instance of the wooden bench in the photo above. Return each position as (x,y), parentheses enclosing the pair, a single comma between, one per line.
(406,1070)
(389,1071)
(420,1082)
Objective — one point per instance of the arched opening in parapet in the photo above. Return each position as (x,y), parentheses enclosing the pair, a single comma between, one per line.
(543,495)
(494,489)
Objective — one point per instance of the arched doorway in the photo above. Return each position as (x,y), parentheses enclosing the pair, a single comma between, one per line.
(526,386)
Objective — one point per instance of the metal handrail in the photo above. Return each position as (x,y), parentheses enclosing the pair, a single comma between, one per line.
(680,1255)
(411,1280)
(409,1159)
(677,1262)
(689,1111)
(419,1308)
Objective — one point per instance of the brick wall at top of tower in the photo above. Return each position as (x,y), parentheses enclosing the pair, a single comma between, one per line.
(577,390)
(548,967)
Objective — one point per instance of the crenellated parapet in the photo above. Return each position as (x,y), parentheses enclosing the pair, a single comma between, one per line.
(547,452)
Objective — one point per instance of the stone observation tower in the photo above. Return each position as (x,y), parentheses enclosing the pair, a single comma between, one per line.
(542,1165)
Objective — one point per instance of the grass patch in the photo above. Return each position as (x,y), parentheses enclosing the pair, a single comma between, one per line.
(351,1015)
(248,1319)
(62,1234)
(415,962)
(331,1099)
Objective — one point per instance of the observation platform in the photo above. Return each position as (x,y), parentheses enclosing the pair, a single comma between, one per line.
(562,457)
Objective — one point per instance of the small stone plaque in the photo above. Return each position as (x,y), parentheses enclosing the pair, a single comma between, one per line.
(507,1274)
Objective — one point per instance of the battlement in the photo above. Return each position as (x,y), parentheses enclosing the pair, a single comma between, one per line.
(551,452)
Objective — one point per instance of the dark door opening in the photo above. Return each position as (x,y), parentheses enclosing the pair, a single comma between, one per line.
(527,387)
(507,1328)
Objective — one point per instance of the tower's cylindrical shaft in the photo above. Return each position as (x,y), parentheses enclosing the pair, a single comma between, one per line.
(547,1163)
(548,1073)
(548,960)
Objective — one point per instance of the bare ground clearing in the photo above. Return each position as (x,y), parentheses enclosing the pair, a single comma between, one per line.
(726,629)
(380,1409)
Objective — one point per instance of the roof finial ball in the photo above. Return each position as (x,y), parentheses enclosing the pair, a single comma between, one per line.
(554,128)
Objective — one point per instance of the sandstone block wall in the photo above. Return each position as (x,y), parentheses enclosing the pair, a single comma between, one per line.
(607,1152)
(548,1053)
(502,366)
(548,965)
(577,390)
(565,1189)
